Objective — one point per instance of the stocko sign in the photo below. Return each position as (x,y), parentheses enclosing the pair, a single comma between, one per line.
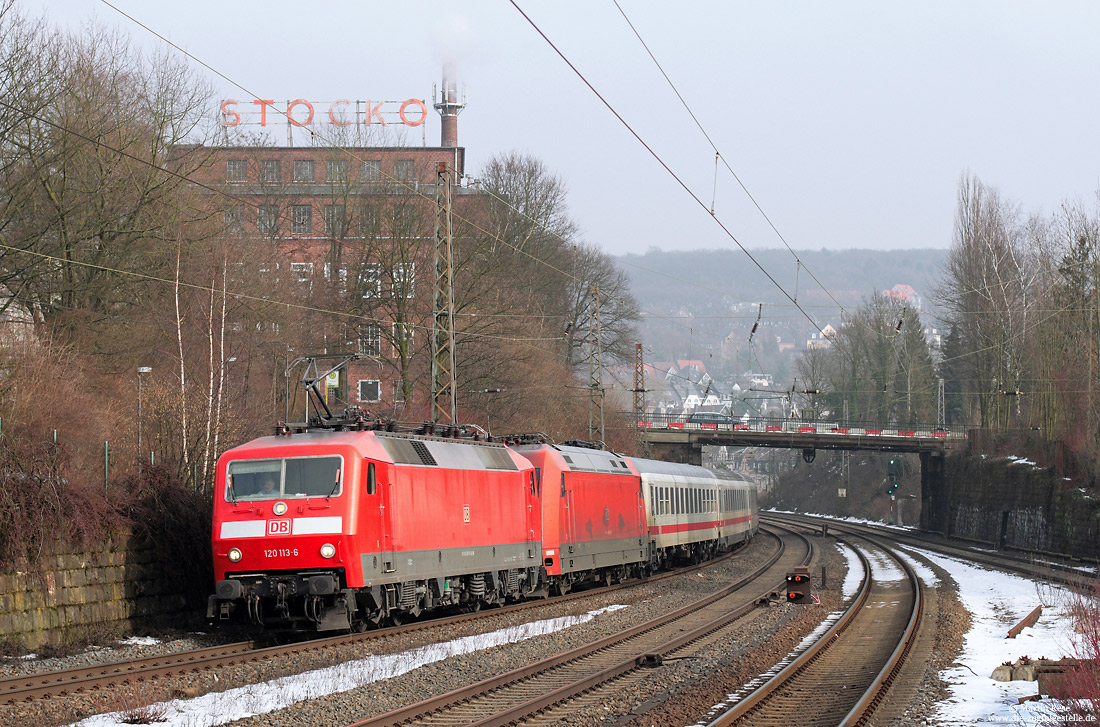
(342,112)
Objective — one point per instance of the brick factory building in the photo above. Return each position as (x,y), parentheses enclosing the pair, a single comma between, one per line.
(357,219)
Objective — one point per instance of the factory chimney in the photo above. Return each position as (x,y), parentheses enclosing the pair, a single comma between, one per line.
(449,107)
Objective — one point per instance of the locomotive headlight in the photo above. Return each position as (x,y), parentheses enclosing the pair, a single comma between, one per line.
(279,508)
(235,554)
(328,550)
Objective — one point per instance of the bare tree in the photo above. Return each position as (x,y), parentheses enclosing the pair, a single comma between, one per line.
(986,293)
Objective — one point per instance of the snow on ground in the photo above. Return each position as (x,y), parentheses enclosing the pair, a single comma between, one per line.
(234,704)
(997,602)
(883,567)
(855,571)
(927,575)
(140,641)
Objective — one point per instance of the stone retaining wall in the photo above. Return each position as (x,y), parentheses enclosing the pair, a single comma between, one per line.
(71,594)
(1008,502)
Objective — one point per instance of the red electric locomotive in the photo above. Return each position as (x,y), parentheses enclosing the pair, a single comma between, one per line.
(341,529)
(593,514)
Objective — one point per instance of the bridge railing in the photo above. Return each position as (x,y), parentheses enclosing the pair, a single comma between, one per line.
(838,427)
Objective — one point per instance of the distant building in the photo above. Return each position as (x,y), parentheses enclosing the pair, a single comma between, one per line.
(823,338)
(904,294)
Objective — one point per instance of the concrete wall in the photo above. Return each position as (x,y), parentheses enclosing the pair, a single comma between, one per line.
(1009,503)
(70,594)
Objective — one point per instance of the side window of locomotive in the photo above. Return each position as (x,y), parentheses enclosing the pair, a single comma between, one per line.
(254,480)
(538,480)
(532,481)
(313,477)
(371,479)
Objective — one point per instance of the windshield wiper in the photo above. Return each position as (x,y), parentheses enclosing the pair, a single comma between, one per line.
(334,486)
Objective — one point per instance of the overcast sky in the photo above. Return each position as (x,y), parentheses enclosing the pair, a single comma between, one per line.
(849,122)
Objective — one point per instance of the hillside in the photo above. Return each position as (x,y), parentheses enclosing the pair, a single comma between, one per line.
(850,275)
(703,303)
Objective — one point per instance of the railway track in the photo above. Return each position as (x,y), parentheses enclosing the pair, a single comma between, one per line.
(540,692)
(845,674)
(56,684)
(1031,565)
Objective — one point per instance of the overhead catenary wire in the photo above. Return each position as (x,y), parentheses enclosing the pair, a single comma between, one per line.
(718,156)
(657,157)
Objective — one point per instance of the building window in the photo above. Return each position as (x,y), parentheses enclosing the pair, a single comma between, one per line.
(398,393)
(267,219)
(341,276)
(403,338)
(370,280)
(404,170)
(404,279)
(404,221)
(371,171)
(303,272)
(335,224)
(337,170)
(236,170)
(369,226)
(234,219)
(369,390)
(370,339)
(303,170)
(270,170)
(301,222)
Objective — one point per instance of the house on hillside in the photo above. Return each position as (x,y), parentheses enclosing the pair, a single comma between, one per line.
(823,338)
(904,294)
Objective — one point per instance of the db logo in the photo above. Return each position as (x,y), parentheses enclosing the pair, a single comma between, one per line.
(465,513)
(278,527)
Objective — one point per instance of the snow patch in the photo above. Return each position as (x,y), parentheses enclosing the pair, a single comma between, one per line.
(222,707)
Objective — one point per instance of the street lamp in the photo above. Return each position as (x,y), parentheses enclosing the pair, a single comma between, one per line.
(141,370)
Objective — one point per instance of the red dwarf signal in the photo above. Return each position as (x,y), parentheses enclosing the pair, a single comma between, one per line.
(798,585)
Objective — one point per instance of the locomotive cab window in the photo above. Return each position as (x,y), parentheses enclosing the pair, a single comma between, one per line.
(273,479)
(371,479)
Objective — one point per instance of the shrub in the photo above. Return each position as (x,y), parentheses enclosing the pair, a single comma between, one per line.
(175,520)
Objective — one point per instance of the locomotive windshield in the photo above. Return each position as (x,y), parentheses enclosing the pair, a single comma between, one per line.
(273,479)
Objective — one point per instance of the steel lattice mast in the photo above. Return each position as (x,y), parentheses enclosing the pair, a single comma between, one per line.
(639,384)
(444,375)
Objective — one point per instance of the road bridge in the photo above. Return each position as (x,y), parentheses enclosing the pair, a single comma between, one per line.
(682,438)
